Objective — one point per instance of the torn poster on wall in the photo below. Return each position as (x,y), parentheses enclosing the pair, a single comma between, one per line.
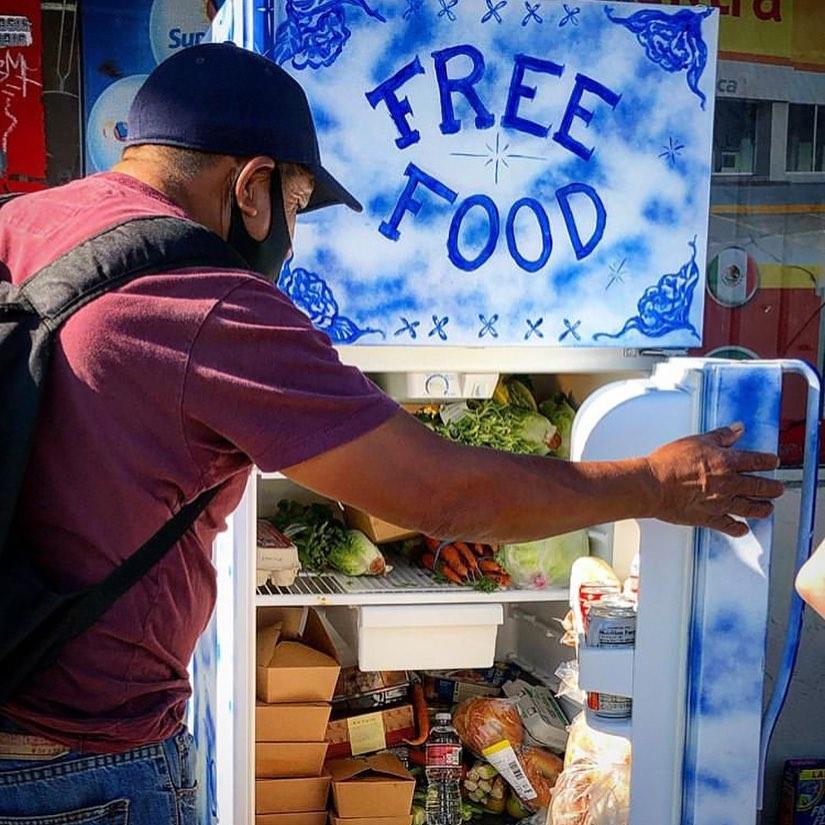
(122,43)
(22,127)
(533,172)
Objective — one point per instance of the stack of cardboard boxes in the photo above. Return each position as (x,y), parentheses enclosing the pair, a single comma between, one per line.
(297,669)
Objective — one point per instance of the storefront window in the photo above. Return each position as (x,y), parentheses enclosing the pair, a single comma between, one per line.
(734,145)
(806,138)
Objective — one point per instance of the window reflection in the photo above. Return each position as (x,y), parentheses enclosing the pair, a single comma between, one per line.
(766,256)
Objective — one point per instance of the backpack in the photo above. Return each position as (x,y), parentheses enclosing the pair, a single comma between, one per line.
(36,618)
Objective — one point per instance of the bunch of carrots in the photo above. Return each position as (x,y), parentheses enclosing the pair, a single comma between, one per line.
(464,563)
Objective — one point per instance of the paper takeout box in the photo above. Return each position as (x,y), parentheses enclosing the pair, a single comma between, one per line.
(289,670)
(376,529)
(274,760)
(306,818)
(371,786)
(279,796)
(291,722)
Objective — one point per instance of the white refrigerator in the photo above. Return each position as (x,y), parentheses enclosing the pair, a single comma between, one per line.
(696,675)
(535,178)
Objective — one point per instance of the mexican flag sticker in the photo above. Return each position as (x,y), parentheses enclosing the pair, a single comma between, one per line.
(732,277)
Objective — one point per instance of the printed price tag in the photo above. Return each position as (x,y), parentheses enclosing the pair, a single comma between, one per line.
(366,733)
(503,758)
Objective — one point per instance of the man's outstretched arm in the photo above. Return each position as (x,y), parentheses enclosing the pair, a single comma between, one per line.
(405,474)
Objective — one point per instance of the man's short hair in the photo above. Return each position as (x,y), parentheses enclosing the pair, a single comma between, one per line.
(180,164)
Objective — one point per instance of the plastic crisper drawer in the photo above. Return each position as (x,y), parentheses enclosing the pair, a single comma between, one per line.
(436,637)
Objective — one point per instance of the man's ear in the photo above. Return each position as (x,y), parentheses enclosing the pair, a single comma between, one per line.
(252,195)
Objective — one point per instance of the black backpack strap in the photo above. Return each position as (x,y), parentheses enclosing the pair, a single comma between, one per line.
(64,617)
(119,255)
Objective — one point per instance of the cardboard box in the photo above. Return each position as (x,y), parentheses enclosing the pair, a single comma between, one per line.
(376,529)
(274,760)
(282,796)
(370,732)
(289,670)
(803,792)
(309,818)
(371,786)
(371,820)
(291,723)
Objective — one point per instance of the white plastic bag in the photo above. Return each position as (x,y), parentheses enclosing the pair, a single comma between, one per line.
(594,787)
(568,675)
(610,797)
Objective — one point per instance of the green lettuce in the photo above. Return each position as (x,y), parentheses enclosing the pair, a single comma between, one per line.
(357,556)
(502,427)
(560,412)
(544,563)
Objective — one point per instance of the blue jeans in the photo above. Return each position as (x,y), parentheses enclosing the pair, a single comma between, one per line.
(150,785)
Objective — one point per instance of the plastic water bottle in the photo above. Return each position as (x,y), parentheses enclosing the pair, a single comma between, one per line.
(443,768)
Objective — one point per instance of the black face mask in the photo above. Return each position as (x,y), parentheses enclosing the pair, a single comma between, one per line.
(267,256)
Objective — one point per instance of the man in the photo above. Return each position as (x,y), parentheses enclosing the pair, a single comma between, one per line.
(179,381)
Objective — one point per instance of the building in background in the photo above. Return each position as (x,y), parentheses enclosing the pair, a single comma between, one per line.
(767,227)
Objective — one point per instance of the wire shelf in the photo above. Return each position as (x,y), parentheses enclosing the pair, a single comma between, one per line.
(406,583)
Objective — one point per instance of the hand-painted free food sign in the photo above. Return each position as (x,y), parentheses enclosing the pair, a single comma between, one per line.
(533,172)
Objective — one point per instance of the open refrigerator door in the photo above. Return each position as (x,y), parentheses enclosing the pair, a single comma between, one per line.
(697,673)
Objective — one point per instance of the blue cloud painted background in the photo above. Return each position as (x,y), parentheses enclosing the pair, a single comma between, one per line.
(650,166)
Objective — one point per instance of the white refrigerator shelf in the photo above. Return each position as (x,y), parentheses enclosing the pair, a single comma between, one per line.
(406,584)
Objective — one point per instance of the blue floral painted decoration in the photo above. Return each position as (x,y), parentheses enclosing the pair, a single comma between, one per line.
(311,294)
(665,307)
(672,41)
(315,32)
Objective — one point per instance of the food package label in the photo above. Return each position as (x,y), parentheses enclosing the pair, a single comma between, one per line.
(366,733)
(503,758)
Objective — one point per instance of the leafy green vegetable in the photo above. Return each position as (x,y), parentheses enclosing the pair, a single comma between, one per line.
(358,556)
(314,530)
(560,412)
(543,563)
(489,424)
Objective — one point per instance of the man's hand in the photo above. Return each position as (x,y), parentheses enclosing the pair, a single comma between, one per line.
(702,481)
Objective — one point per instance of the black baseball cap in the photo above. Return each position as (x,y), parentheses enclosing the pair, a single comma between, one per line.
(220,98)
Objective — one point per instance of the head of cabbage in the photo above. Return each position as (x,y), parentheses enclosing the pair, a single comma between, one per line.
(356,555)
(543,563)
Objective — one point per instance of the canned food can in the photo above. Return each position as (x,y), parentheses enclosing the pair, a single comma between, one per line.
(591,593)
(611,623)
(609,706)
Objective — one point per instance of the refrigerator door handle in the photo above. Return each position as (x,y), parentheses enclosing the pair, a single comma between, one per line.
(804,542)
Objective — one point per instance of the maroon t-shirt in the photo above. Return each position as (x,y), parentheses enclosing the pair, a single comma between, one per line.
(157,391)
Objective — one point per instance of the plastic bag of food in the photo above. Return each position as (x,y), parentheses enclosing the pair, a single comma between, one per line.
(610,797)
(594,787)
(492,728)
(585,744)
(536,565)
(482,722)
